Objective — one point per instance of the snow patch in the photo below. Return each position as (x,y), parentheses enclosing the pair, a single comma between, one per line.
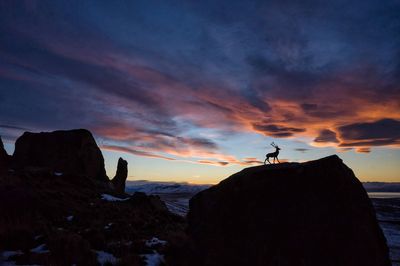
(154,259)
(105,258)
(108,226)
(154,242)
(40,249)
(108,197)
(8,253)
(70,218)
(37,237)
(58,173)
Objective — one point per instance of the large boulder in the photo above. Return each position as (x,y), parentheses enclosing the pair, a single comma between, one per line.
(314,213)
(72,152)
(120,177)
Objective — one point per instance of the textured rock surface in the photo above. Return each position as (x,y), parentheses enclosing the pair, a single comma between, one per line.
(73,152)
(120,177)
(313,213)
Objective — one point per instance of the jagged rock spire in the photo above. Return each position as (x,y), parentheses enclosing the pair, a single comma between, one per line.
(120,176)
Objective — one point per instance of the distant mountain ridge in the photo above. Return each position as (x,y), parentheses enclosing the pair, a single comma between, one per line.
(158,187)
(382,186)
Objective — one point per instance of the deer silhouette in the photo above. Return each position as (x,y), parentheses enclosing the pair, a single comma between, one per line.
(273,154)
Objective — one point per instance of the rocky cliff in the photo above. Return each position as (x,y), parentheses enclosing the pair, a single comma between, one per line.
(72,152)
(314,213)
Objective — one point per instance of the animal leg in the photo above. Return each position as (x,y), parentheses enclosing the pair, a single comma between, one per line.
(278,160)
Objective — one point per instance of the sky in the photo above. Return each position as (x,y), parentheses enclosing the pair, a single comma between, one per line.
(194,91)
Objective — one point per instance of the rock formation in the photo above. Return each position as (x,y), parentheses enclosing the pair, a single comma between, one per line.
(72,152)
(120,177)
(314,213)
(58,207)
(4,158)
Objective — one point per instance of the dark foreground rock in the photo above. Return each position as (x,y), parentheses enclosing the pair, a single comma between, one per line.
(120,177)
(314,213)
(58,208)
(72,152)
(4,157)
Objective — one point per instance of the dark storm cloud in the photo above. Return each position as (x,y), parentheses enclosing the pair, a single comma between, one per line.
(301,150)
(381,132)
(326,135)
(276,130)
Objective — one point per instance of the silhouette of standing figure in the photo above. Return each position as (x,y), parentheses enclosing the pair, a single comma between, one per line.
(273,154)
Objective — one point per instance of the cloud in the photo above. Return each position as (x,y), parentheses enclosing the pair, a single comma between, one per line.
(363,150)
(12,127)
(251,160)
(220,163)
(277,130)
(378,133)
(301,150)
(135,152)
(325,136)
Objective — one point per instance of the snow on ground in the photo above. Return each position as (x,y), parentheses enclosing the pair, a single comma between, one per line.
(58,173)
(40,249)
(388,214)
(108,197)
(178,206)
(7,263)
(69,218)
(5,255)
(37,237)
(175,195)
(154,242)
(105,258)
(108,226)
(154,259)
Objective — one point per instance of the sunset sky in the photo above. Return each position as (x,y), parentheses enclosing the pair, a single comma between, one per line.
(197,90)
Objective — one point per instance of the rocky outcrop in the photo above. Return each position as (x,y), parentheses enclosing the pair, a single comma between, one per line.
(314,213)
(72,152)
(120,177)
(58,207)
(4,157)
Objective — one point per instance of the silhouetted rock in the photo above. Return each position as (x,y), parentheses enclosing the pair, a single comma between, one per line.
(152,202)
(52,215)
(4,157)
(314,213)
(120,177)
(72,152)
